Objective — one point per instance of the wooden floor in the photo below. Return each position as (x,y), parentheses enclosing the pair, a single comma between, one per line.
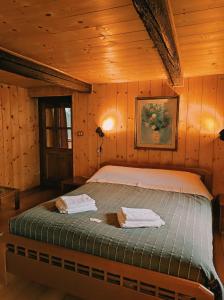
(20,289)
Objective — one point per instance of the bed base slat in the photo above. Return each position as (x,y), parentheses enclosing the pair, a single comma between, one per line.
(67,274)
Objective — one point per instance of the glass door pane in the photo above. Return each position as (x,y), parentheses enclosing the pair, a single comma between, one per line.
(64,138)
(49,138)
(49,116)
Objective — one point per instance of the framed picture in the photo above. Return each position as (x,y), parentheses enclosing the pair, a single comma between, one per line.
(156,122)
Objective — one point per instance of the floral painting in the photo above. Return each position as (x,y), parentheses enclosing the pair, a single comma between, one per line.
(156,122)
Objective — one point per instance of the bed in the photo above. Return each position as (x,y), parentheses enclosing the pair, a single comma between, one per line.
(101,260)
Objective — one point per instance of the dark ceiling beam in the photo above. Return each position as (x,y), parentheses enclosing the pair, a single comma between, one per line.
(158,20)
(15,63)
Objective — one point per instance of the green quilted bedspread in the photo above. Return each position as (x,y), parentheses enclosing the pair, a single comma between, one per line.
(182,247)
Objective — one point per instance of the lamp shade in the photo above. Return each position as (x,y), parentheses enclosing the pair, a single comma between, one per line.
(221,135)
(99,132)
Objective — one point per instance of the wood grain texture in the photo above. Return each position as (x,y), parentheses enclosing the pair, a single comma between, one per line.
(19,138)
(158,20)
(200,32)
(15,63)
(97,41)
(201,117)
(105,40)
(49,91)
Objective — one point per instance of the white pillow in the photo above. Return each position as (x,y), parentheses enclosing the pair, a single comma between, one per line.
(158,179)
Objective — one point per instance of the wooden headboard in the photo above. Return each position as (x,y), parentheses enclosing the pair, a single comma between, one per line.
(206,176)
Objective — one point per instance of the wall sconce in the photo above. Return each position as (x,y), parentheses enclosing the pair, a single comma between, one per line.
(99,132)
(108,124)
(221,135)
(101,135)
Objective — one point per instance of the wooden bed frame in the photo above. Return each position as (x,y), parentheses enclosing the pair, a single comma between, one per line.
(91,277)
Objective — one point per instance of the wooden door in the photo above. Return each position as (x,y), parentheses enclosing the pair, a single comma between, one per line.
(55,123)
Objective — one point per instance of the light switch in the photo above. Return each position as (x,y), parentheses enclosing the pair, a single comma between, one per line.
(80,133)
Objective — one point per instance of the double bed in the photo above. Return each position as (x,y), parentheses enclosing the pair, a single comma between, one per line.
(100,260)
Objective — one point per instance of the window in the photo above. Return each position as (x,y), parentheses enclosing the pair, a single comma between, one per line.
(58,125)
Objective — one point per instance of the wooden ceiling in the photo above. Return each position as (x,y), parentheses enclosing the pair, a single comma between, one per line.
(200,31)
(105,41)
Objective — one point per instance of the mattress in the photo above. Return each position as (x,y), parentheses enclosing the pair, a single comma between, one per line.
(182,247)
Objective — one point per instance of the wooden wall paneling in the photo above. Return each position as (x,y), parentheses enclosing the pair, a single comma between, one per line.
(207,133)
(110,110)
(179,155)
(34,172)
(122,105)
(75,139)
(193,122)
(99,116)
(8,180)
(23,136)
(15,137)
(92,125)
(28,145)
(28,163)
(200,120)
(132,153)
(80,122)
(144,91)
(156,90)
(2,169)
(166,157)
(19,139)
(218,160)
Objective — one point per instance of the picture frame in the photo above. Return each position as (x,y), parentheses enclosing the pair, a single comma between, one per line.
(156,122)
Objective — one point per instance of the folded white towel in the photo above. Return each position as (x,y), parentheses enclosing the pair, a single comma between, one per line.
(77,210)
(139,214)
(75,204)
(136,224)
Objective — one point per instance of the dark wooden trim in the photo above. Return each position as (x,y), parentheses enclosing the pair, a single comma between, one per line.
(18,64)
(49,91)
(43,102)
(221,213)
(158,20)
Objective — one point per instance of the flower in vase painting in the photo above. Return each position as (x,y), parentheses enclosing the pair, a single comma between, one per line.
(155,116)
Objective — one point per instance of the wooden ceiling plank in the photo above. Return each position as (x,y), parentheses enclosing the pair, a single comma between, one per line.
(36,9)
(14,63)
(157,18)
(185,6)
(55,24)
(80,34)
(200,17)
(202,39)
(205,28)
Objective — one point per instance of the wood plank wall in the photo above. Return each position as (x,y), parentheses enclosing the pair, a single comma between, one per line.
(201,117)
(19,138)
